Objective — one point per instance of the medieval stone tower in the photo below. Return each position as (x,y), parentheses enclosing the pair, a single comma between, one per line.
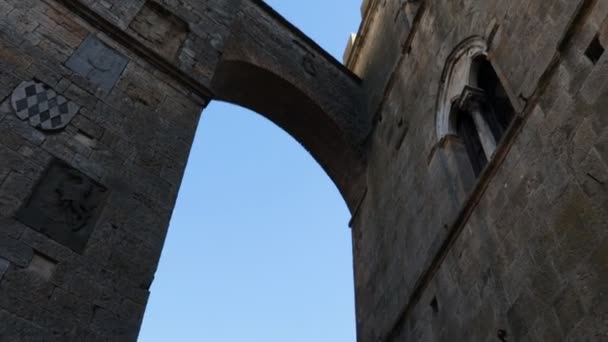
(469,139)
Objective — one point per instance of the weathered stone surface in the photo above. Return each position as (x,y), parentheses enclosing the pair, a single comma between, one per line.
(517,253)
(98,63)
(160,29)
(14,328)
(65,206)
(4,265)
(139,72)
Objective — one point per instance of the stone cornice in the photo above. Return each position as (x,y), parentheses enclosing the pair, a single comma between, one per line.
(368,12)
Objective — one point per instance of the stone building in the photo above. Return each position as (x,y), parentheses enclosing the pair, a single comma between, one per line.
(469,138)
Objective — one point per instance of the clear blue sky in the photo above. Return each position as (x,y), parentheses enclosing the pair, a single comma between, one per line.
(259,249)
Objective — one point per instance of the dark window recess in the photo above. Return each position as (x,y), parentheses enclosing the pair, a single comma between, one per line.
(468,132)
(403,128)
(498,110)
(435,305)
(595,50)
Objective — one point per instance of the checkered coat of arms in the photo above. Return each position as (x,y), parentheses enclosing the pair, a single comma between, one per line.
(42,107)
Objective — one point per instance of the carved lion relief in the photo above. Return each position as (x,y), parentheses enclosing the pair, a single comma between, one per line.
(64,206)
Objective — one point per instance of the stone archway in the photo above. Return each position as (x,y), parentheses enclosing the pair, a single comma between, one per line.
(85,202)
(291,109)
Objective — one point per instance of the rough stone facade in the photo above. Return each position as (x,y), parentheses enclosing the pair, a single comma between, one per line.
(521,253)
(99,101)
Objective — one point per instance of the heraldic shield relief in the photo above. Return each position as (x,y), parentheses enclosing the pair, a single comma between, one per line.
(42,107)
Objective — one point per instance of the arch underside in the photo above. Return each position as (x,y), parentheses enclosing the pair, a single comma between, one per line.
(281,102)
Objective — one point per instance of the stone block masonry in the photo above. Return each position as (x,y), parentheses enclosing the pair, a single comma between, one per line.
(99,102)
(517,255)
(76,263)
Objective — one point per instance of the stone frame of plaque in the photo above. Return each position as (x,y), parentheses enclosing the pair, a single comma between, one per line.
(98,62)
(65,205)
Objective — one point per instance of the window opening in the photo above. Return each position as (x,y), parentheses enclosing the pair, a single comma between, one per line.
(498,110)
(595,50)
(474,107)
(483,113)
(465,127)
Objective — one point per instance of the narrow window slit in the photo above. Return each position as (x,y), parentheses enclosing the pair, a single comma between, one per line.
(86,134)
(435,305)
(85,138)
(595,50)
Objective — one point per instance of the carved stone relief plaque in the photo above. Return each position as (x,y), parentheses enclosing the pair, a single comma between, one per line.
(98,62)
(162,30)
(64,206)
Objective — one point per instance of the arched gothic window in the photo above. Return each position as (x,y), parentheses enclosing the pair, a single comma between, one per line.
(473,104)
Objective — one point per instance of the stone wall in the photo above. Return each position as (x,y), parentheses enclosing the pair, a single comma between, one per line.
(119,162)
(99,103)
(520,255)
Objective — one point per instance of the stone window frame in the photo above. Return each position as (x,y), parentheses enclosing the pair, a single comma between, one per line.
(458,65)
(457,88)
